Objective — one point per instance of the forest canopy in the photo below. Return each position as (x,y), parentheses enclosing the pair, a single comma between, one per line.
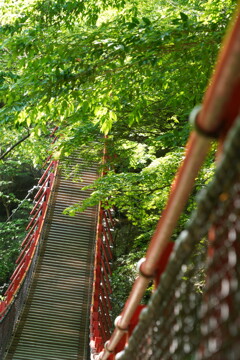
(121,74)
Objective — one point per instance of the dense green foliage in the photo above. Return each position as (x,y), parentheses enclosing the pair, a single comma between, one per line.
(132,70)
(17,177)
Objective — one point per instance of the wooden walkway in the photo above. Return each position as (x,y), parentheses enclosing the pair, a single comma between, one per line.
(54,324)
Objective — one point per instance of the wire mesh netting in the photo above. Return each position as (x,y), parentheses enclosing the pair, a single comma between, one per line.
(9,321)
(195,312)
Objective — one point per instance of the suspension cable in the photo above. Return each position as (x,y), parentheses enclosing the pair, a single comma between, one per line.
(35,187)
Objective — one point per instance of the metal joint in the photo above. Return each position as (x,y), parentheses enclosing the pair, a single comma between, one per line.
(193,120)
(117,326)
(106,347)
(141,273)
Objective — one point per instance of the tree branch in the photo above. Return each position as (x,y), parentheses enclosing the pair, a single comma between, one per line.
(13,146)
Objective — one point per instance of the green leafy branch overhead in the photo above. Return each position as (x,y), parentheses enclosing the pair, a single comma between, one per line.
(131,70)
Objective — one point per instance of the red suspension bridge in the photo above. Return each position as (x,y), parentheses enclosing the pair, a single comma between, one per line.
(59,298)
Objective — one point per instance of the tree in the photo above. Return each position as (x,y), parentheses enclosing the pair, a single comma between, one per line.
(130,70)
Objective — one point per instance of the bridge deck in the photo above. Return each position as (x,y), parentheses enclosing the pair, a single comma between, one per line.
(55,321)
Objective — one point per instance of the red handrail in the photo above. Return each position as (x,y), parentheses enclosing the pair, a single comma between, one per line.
(220,106)
(31,240)
(100,321)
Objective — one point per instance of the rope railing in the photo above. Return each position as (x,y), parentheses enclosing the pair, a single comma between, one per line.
(220,108)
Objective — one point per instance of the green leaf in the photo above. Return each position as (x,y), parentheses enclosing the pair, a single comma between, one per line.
(28,121)
(147,21)
(184,17)
(112,116)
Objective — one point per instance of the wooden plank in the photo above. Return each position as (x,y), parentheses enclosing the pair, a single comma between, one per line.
(54,324)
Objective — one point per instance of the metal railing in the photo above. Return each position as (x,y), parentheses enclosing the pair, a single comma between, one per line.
(220,108)
(16,292)
(194,313)
(100,321)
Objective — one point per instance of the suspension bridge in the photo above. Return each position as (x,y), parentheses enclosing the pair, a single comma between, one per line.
(58,303)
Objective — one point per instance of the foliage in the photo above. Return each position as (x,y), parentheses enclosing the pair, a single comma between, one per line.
(17,175)
(11,235)
(131,70)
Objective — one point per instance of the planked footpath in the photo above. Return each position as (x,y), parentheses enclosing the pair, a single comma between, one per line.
(54,324)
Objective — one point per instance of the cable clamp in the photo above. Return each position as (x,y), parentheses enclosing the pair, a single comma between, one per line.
(141,273)
(118,327)
(193,120)
(106,347)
